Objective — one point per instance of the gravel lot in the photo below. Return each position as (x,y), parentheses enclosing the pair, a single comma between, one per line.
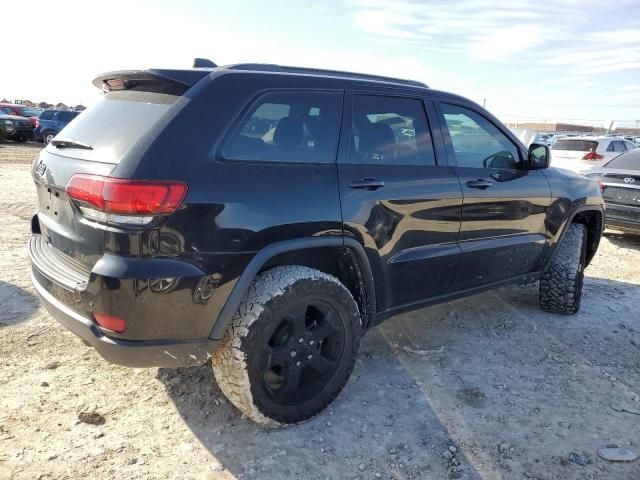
(485,387)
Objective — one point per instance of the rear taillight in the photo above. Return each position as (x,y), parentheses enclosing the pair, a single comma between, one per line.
(36,123)
(601,185)
(117,200)
(109,322)
(593,156)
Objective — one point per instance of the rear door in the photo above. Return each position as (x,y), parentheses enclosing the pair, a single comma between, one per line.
(395,197)
(503,231)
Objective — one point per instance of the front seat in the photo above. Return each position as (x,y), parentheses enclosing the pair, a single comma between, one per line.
(289,132)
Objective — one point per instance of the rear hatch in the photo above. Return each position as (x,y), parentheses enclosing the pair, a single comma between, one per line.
(118,128)
(621,187)
(570,153)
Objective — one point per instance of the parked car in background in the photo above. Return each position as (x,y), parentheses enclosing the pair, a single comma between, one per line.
(31,113)
(529,136)
(12,127)
(583,154)
(51,121)
(619,181)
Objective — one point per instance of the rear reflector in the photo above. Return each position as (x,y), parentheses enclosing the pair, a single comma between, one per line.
(127,197)
(593,156)
(109,322)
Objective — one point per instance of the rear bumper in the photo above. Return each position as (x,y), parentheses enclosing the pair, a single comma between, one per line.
(155,353)
(623,217)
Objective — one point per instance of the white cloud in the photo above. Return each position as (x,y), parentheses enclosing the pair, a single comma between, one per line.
(506,42)
(564,33)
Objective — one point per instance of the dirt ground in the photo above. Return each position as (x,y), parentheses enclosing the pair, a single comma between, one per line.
(485,387)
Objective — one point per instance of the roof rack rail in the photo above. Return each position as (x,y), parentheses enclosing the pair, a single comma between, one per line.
(265,67)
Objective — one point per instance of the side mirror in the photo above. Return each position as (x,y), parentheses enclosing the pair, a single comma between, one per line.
(539,156)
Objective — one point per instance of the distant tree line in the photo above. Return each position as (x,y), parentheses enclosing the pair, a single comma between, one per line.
(43,105)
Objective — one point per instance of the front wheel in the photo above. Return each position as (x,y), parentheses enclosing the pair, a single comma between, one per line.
(561,283)
(291,347)
(48,136)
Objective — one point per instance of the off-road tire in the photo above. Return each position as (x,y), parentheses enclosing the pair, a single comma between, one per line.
(235,362)
(561,283)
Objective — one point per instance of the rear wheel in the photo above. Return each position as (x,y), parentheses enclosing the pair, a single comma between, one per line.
(291,346)
(561,283)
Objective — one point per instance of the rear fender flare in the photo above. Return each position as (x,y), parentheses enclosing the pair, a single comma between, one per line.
(267,253)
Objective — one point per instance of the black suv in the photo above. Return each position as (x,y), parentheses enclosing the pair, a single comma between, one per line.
(265,217)
(12,127)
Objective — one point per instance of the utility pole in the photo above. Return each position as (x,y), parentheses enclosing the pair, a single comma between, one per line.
(484,103)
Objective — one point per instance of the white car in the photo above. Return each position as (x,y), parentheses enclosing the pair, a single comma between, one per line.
(583,154)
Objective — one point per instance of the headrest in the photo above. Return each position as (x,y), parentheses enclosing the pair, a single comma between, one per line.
(289,132)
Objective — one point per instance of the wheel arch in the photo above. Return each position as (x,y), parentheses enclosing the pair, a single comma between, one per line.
(593,220)
(592,217)
(341,257)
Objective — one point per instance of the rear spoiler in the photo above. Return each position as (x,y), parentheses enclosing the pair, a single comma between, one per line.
(154,80)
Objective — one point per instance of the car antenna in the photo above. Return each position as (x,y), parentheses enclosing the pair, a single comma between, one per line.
(203,63)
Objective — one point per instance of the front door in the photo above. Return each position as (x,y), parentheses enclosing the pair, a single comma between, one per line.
(503,232)
(396,200)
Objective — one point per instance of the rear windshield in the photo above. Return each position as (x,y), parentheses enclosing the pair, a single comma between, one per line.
(626,161)
(115,124)
(575,145)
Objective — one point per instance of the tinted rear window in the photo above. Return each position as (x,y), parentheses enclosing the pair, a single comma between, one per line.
(65,116)
(115,124)
(575,145)
(626,161)
(47,115)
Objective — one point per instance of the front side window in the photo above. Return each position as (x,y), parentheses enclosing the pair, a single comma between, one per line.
(289,127)
(390,130)
(47,115)
(476,142)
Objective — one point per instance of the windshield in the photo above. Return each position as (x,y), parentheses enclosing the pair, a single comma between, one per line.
(626,161)
(575,145)
(116,123)
(30,112)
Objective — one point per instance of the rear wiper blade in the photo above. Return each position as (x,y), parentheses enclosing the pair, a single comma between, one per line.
(65,143)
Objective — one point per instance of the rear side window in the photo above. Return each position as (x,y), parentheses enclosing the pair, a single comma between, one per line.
(390,130)
(47,115)
(289,127)
(117,123)
(616,146)
(575,145)
(627,161)
(65,116)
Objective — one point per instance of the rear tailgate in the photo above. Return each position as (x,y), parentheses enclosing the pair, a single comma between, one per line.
(61,226)
(118,128)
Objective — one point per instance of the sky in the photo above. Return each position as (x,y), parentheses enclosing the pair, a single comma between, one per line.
(528,60)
